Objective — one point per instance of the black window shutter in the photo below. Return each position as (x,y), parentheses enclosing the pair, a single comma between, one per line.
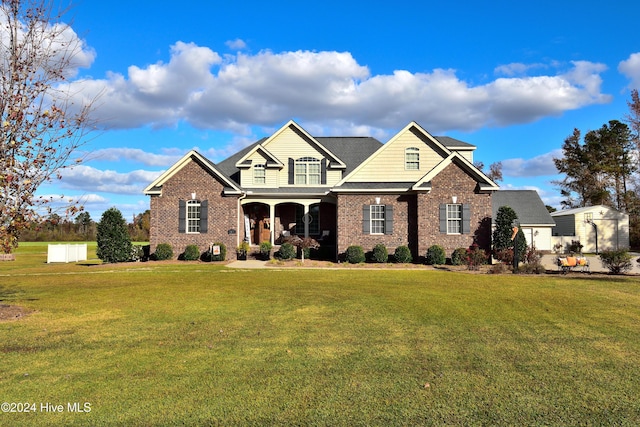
(182,216)
(204,216)
(443,218)
(466,219)
(323,172)
(366,217)
(388,219)
(292,171)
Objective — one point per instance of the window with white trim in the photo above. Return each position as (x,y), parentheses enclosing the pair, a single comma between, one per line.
(412,158)
(193,216)
(454,219)
(377,218)
(259,174)
(307,171)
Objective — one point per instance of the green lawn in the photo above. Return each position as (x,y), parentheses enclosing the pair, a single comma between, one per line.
(201,344)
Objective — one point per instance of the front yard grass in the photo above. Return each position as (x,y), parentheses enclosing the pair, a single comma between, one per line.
(201,344)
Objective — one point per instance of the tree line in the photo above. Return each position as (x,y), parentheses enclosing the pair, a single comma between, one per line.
(82,227)
(603,167)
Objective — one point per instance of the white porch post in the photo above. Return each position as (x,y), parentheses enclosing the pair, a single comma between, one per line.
(272,222)
(306,223)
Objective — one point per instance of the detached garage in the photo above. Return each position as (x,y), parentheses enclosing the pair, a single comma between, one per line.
(598,228)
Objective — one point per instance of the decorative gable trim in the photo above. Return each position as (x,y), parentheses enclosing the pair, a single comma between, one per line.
(271,160)
(484,182)
(411,127)
(334,161)
(155,188)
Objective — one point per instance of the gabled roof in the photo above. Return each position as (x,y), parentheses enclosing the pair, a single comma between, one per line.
(483,180)
(576,211)
(156,186)
(526,204)
(271,160)
(334,161)
(411,126)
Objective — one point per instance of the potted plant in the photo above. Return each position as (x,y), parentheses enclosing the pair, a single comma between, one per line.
(265,250)
(242,251)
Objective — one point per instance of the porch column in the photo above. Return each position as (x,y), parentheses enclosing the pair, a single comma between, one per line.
(272,222)
(306,223)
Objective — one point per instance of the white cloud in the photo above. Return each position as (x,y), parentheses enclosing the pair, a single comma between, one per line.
(86,178)
(631,69)
(328,89)
(134,154)
(538,166)
(516,68)
(236,44)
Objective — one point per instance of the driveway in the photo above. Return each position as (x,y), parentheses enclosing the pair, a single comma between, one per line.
(549,262)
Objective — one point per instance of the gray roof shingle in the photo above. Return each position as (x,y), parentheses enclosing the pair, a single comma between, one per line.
(527,205)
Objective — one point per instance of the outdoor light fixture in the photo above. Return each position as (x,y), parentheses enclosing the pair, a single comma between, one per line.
(193,196)
(454,199)
(377,200)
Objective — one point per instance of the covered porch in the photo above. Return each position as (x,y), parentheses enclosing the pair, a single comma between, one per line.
(274,220)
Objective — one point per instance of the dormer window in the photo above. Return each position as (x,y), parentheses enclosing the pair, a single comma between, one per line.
(259,176)
(412,158)
(307,171)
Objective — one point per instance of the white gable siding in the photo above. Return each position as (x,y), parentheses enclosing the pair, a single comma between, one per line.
(246,175)
(389,164)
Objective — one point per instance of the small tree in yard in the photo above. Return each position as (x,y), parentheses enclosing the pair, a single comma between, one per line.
(40,126)
(114,244)
(501,238)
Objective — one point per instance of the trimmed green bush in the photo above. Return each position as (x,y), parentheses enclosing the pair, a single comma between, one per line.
(354,254)
(459,256)
(114,243)
(287,251)
(617,262)
(163,252)
(380,254)
(403,255)
(191,253)
(436,255)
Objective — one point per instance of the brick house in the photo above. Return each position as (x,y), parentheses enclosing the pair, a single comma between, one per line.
(415,190)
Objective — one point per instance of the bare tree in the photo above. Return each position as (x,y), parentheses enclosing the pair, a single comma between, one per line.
(41,127)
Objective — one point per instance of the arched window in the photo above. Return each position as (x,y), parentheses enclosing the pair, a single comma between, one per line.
(307,171)
(412,158)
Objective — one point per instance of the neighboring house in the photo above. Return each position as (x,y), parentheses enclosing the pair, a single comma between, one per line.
(533,216)
(415,190)
(598,228)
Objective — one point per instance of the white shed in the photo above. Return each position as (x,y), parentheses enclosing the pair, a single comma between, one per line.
(598,228)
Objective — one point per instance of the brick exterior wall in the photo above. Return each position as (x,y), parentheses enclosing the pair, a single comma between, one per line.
(453,181)
(349,213)
(416,221)
(222,212)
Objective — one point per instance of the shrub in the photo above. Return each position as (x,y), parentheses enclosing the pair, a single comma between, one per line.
(286,252)
(114,243)
(436,255)
(618,261)
(380,254)
(459,256)
(475,257)
(210,256)
(265,250)
(354,254)
(191,253)
(535,268)
(163,252)
(403,255)
(575,247)
(499,268)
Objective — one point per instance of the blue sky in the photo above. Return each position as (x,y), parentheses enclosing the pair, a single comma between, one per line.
(512,78)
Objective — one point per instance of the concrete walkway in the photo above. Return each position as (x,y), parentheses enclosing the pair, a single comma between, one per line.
(250,263)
